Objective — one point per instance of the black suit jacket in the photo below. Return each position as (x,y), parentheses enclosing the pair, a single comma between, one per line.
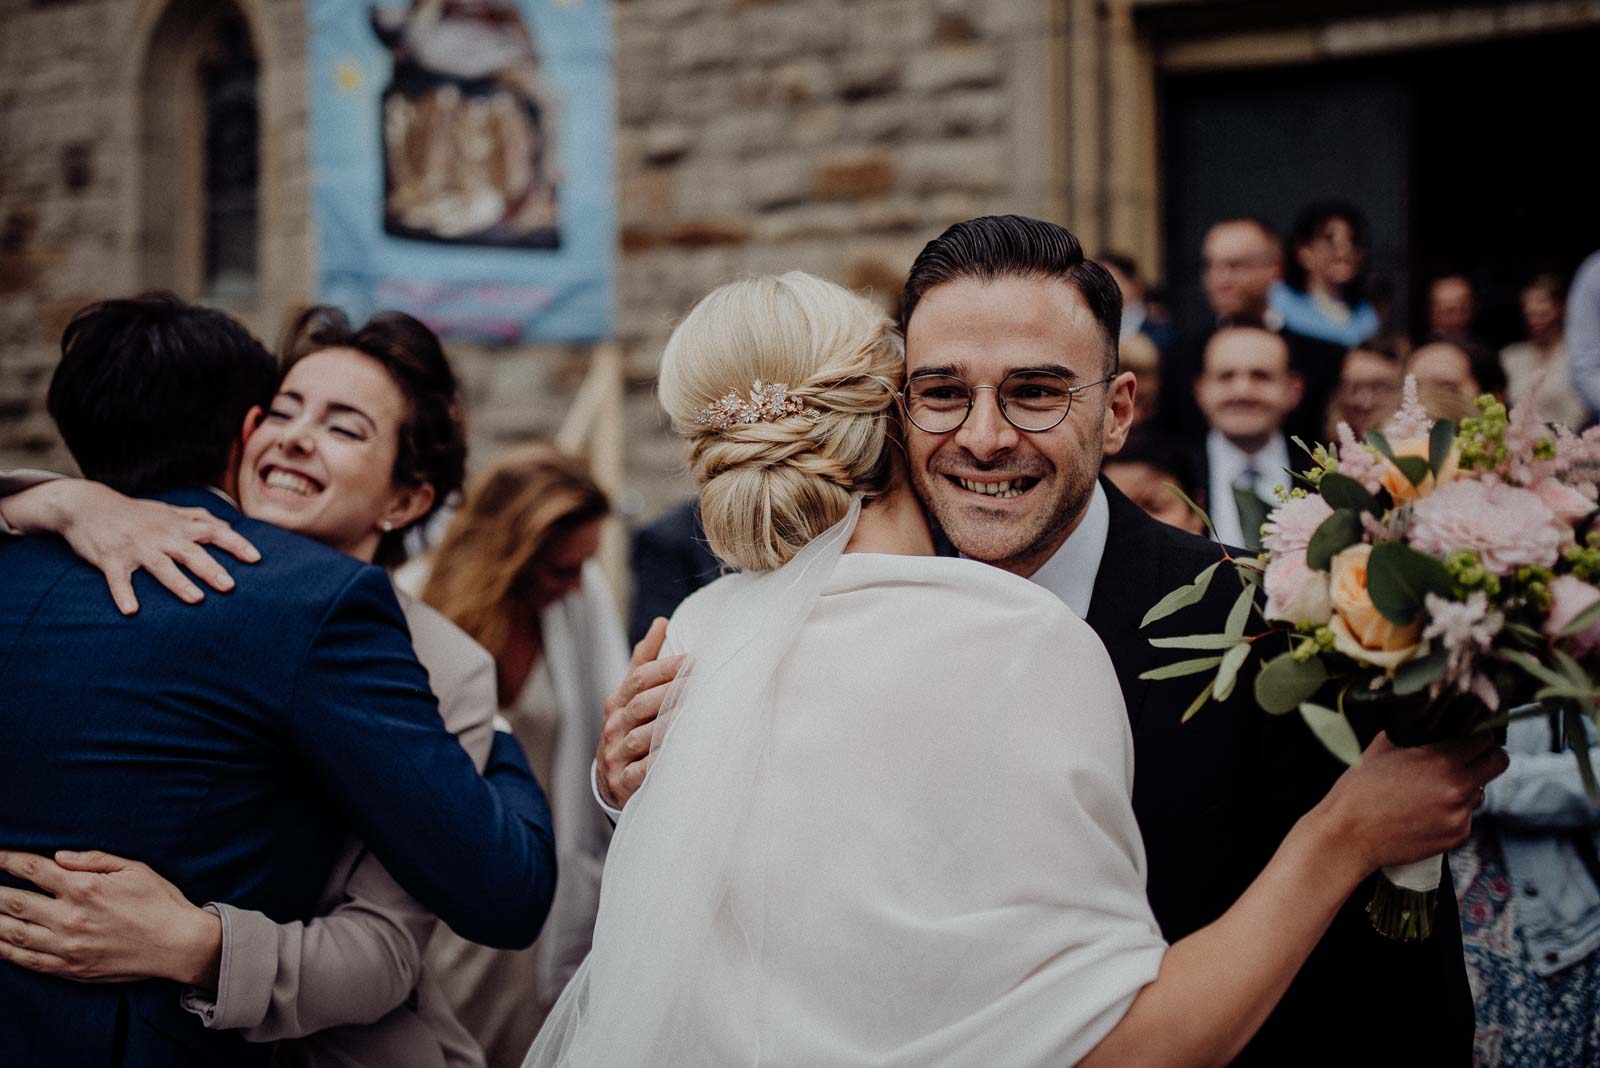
(1215,796)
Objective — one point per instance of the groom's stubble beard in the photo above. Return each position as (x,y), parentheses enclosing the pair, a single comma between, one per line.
(1018,543)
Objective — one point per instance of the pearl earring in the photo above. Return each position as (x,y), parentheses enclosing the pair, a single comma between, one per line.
(388,527)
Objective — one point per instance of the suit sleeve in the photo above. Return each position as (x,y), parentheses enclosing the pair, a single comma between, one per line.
(478,852)
(361,959)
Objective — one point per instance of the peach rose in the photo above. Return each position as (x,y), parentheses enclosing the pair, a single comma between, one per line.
(1359,630)
(1400,487)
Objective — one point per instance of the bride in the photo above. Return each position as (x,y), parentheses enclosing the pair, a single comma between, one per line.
(888,816)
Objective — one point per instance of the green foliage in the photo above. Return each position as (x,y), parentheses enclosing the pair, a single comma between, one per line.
(1415,468)
(1182,597)
(1196,704)
(1399,577)
(1339,531)
(1417,675)
(1333,731)
(1286,681)
(1228,671)
(1239,614)
(1181,668)
(1342,491)
(1440,439)
(1200,641)
(1469,574)
(1483,437)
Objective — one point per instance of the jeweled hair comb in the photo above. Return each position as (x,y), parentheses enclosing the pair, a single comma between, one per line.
(768,403)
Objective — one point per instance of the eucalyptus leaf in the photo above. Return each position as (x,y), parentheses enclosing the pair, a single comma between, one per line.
(1228,672)
(1200,641)
(1527,633)
(1333,731)
(1578,742)
(1414,676)
(1239,614)
(1182,668)
(1182,597)
(1572,669)
(1399,577)
(1194,706)
(1193,507)
(1582,621)
(1339,531)
(1284,682)
(1342,491)
(1440,439)
(1532,666)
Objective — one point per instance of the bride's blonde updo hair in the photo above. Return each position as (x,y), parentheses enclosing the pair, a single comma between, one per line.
(768,488)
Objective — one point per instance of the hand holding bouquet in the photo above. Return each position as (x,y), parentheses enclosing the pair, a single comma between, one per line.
(1447,572)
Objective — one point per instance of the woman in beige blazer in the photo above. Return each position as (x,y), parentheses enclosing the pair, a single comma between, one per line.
(363,440)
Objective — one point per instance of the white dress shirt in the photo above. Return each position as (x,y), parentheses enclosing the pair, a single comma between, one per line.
(1228,463)
(1070,573)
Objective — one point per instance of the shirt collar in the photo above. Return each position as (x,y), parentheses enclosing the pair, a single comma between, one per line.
(1071,571)
(1228,461)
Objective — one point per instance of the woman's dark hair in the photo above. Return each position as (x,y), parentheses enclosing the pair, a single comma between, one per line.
(432,445)
(151,392)
(1014,246)
(1308,227)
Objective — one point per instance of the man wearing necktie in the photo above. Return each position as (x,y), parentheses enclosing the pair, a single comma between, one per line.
(1245,392)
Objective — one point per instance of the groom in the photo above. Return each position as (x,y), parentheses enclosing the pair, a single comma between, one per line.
(1213,796)
(232,745)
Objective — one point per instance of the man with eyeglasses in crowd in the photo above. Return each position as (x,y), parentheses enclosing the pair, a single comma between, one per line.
(1013,400)
(1240,259)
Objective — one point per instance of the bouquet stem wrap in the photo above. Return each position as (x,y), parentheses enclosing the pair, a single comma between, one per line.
(1403,901)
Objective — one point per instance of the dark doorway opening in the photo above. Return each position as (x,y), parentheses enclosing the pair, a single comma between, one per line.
(1469,159)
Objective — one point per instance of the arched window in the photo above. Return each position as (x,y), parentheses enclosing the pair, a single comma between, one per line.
(200,148)
(231,161)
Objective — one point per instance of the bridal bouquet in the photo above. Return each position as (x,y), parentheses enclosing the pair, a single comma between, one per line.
(1448,573)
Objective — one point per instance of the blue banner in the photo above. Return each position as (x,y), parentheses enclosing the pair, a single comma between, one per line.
(461,164)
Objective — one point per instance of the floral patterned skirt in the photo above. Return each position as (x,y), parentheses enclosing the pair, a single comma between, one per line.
(1524,1019)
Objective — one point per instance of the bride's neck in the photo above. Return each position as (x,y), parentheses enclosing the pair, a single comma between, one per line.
(893,523)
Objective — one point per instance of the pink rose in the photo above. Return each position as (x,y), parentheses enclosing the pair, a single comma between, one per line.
(1295,592)
(1569,596)
(1507,526)
(1566,503)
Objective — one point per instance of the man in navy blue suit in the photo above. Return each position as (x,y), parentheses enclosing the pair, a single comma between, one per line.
(232,745)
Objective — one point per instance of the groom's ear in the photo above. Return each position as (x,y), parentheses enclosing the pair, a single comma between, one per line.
(252,422)
(1119,412)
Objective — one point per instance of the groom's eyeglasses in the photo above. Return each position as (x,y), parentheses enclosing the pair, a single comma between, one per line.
(1030,400)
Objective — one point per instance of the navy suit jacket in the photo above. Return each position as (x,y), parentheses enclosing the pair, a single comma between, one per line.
(1215,797)
(233,746)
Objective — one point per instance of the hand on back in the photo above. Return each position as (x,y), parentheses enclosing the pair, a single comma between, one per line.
(623,756)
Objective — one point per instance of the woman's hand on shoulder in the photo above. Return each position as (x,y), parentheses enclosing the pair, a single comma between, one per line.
(120,535)
(104,919)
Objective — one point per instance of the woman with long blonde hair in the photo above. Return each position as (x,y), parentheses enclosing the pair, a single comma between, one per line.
(514,571)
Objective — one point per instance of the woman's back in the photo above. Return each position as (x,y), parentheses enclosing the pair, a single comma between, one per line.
(937,861)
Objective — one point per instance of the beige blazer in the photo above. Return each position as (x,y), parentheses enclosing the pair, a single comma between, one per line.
(347,988)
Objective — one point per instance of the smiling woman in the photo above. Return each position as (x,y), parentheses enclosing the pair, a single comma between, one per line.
(363,431)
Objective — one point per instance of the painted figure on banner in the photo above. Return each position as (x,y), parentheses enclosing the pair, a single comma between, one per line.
(469,126)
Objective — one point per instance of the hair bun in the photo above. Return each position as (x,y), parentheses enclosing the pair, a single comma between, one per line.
(769,487)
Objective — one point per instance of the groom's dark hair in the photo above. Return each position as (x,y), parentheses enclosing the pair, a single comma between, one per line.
(1015,246)
(151,391)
